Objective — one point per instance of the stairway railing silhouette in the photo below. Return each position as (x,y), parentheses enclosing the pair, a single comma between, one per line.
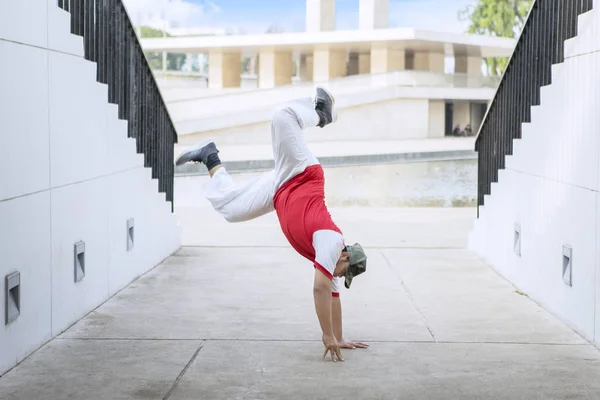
(540,45)
(111,42)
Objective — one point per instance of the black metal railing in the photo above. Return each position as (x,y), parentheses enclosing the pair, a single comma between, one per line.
(540,45)
(111,42)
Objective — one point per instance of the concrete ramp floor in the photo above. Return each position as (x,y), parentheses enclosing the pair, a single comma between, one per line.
(238,322)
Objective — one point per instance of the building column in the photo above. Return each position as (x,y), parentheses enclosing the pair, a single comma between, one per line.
(426,61)
(364,63)
(328,64)
(320,15)
(306,67)
(437,118)
(373,14)
(224,70)
(275,69)
(467,65)
(384,59)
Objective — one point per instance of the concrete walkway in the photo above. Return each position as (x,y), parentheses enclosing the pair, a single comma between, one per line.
(235,320)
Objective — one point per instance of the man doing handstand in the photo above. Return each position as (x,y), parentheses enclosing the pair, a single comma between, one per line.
(295,189)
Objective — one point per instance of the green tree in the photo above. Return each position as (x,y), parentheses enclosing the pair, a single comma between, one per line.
(500,18)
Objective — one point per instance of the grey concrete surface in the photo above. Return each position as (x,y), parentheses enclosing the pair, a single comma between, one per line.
(99,369)
(233,321)
(392,371)
(248,294)
(462,300)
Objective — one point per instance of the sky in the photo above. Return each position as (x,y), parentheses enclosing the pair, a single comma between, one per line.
(256,16)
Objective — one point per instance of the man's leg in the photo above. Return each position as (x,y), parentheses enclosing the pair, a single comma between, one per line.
(290,148)
(235,202)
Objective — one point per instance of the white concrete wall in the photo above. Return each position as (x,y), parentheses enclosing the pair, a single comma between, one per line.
(383,120)
(236,111)
(550,188)
(68,172)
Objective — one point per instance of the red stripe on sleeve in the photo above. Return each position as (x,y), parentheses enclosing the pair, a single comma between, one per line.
(323,270)
(335,294)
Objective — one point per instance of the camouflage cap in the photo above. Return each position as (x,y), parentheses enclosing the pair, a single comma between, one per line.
(358,263)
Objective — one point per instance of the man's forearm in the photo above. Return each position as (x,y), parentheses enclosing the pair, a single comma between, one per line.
(322,295)
(336,318)
(323,308)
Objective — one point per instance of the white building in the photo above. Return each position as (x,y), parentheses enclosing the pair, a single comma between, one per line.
(434,80)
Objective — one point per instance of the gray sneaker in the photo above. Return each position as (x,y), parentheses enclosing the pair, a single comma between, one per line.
(198,153)
(325,107)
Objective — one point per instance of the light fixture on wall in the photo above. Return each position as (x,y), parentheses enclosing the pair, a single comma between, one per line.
(12,297)
(79,261)
(130,232)
(517,240)
(567,265)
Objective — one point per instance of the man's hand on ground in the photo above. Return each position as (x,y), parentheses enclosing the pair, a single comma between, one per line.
(331,345)
(352,345)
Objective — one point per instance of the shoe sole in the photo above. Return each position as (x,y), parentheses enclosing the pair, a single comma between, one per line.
(333,108)
(191,149)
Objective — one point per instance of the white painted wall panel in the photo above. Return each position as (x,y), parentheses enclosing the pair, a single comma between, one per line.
(528,196)
(24,21)
(586,30)
(574,143)
(567,218)
(126,201)
(156,234)
(122,152)
(59,32)
(24,133)
(83,210)
(78,124)
(25,247)
(597,275)
(504,224)
(164,221)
